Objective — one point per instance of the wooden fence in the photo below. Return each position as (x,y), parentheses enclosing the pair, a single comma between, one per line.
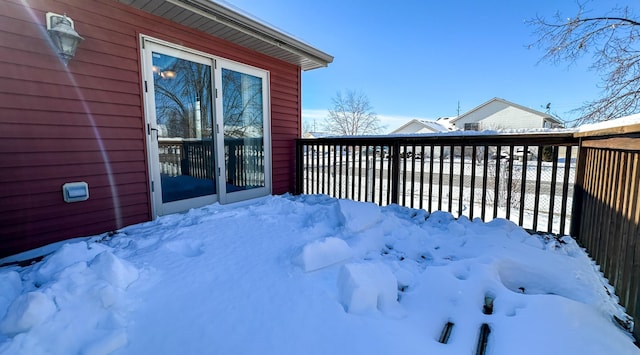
(607,209)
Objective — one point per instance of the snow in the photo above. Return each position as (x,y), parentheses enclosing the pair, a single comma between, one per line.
(320,254)
(368,287)
(359,216)
(27,311)
(310,275)
(618,122)
(510,131)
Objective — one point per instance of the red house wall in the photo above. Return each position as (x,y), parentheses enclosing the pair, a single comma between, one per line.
(86,122)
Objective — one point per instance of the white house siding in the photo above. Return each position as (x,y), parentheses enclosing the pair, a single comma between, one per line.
(411,128)
(498,115)
(512,117)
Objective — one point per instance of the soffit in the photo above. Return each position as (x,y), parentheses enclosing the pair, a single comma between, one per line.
(233,26)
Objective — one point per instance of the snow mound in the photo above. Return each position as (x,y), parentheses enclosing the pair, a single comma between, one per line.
(440,219)
(322,253)
(365,288)
(114,270)
(359,216)
(11,287)
(67,255)
(27,311)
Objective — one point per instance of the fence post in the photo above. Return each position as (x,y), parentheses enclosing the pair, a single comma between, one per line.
(299,159)
(578,194)
(395,171)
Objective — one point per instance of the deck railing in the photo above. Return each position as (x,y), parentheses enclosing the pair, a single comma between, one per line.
(584,184)
(525,178)
(607,209)
(244,159)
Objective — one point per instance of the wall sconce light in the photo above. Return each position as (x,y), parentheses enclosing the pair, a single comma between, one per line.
(63,35)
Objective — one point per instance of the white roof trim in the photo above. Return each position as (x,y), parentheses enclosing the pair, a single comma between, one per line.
(239,28)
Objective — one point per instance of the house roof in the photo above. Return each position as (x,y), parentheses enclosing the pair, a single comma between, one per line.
(431,125)
(446,122)
(231,24)
(497,99)
(317,135)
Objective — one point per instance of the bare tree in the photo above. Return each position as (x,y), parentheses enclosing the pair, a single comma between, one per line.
(182,93)
(307,126)
(352,115)
(612,40)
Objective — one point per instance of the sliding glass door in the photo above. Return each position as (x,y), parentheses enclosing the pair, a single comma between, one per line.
(243,107)
(208,129)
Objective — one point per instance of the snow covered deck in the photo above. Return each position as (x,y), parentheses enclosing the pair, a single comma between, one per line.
(311,275)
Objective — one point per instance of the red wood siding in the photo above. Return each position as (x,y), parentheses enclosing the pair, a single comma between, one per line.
(87,124)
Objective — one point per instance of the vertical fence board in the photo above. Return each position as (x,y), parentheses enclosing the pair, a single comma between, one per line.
(422,155)
(440,177)
(632,238)
(616,236)
(552,192)
(523,183)
(536,208)
(565,190)
(432,148)
(634,294)
(510,183)
(461,183)
(474,151)
(485,166)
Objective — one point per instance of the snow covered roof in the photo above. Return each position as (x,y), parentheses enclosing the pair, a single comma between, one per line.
(420,126)
(446,122)
(232,24)
(316,135)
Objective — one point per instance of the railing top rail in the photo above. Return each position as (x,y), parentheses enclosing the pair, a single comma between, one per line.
(611,131)
(563,138)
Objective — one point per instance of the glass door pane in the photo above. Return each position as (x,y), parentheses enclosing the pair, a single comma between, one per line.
(244,133)
(184,121)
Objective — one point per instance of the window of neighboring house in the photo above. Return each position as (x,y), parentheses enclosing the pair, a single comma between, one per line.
(475,126)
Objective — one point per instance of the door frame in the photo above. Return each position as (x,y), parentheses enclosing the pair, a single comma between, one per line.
(153,163)
(149,45)
(235,196)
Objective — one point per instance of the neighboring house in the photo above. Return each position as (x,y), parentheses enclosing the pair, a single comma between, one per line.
(446,122)
(420,126)
(497,114)
(417,126)
(316,135)
(166,105)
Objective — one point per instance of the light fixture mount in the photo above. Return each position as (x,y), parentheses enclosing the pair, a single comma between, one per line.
(63,35)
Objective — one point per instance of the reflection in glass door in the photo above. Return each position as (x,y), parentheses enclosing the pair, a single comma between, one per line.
(243,117)
(208,128)
(182,92)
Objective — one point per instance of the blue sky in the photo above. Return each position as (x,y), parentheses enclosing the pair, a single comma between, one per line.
(421,59)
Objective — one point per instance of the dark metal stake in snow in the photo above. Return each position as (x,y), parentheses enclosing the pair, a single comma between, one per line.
(446,332)
(483,339)
(487,308)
